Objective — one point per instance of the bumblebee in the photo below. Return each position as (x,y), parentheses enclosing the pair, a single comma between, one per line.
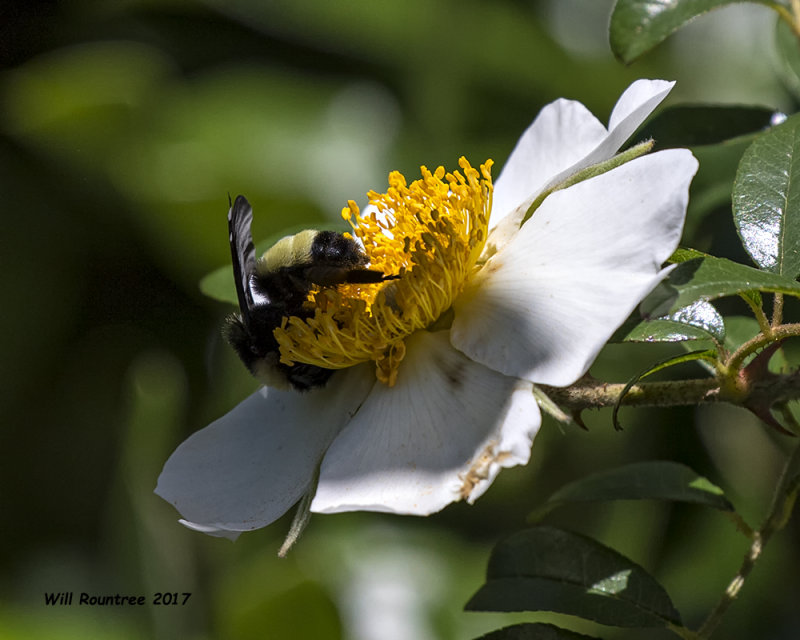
(277,286)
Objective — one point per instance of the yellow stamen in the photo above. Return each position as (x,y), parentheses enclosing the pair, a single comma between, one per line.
(431,234)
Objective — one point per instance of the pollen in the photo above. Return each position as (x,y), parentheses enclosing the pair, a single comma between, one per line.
(429,234)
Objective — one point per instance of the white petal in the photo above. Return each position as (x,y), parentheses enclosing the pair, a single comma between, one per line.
(637,102)
(631,110)
(248,468)
(441,434)
(564,132)
(210,531)
(543,307)
(515,191)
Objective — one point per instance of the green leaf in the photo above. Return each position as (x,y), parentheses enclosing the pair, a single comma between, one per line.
(700,315)
(219,283)
(547,569)
(699,321)
(659,302)
(740,329)
(661,331)
(709,278)
(692,126)
(654,480)
(534,631)
(788,55)
(753,299)
(639,25)
(684,254)
(766,199)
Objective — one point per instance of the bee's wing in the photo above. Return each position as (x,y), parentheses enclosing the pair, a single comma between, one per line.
(243,252)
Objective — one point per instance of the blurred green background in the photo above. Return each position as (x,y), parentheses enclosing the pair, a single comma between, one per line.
(124,127)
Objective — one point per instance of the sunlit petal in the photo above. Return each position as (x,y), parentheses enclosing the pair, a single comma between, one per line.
(248,468)
(210,531)
(543,308)
(564,132)
(636,103)
(517,187)
(440,435)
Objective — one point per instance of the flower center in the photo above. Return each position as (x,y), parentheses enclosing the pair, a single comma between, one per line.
(430,233)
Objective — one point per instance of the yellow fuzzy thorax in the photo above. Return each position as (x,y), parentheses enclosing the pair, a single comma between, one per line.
(430,233)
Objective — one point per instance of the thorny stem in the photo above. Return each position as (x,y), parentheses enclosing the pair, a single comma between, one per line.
(779,513)
(740,523)
(589,393)
(751,346)
(777,301)
(761,317)
(593,394)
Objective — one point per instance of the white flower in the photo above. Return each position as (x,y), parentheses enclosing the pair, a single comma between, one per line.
(461,407)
